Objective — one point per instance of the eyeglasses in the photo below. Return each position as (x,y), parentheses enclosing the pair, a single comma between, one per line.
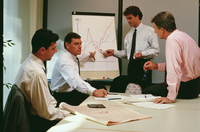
(145,75)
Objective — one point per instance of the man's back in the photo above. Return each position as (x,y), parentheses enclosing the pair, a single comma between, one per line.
(29,74)
(184,51)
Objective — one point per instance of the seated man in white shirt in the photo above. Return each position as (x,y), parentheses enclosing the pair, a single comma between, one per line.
(32,81)
(66,83)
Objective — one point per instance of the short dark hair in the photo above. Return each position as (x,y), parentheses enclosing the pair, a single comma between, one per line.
(134,10)
(43,38)
(165,20)
(69,36)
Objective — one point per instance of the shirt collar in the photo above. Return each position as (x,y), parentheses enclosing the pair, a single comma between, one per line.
(139,27)
(71,55)
(37,60)
(173,32)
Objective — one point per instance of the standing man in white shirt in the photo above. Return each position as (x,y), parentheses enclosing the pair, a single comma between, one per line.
(66,83)
(32,81)
(146,47)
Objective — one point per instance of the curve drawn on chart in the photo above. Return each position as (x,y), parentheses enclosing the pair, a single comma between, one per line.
(97,47)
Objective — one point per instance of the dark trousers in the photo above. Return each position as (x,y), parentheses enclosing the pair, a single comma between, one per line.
(39,124)
(73,98)
(135,75)
(187,90)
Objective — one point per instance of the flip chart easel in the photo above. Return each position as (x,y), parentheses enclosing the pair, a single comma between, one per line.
(98,33)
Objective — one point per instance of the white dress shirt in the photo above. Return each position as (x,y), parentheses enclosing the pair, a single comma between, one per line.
(32,81)
(146,43)
(65,75)
(183,60)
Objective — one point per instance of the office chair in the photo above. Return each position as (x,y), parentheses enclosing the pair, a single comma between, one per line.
(133,88)
(15,115)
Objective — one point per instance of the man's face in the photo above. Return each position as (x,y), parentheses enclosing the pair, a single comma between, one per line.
(132,20)
(75,46)
(50,51)
(158,31)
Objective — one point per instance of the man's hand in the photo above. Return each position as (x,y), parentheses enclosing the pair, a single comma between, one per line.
(163,100)
(138,55)
(150,65)
(92,54)
(108,52)
(100,93)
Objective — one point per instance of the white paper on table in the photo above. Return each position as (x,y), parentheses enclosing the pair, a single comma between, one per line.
(153,105)
(111,97)
(140,98)
(144,96)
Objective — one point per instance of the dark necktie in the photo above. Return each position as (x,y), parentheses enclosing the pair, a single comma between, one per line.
(78,65)
(133,45)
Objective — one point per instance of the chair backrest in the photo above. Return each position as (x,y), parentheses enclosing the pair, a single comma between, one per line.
(15,116)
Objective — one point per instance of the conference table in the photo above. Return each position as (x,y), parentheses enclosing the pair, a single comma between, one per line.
(183,117)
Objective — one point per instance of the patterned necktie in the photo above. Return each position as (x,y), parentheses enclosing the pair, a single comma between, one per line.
(78,65)
(48,82)
(133,45)
(44,70)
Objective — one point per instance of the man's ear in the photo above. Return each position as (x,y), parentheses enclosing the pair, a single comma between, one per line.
(67,45)
(138,16)
(42,50)
(162,29)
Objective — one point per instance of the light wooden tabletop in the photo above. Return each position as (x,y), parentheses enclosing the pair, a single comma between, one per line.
(184,117)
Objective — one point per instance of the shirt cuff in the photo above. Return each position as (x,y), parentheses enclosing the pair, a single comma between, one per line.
(171,94)
(88,54)
(65,112)
(144,53)
(171,98)
(91,91)
(116,52)
(161,66)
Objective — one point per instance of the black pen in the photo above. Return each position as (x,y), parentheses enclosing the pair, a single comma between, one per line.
(113,98)
(112,94)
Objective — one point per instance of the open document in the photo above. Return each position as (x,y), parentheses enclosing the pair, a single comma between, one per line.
(106,116)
